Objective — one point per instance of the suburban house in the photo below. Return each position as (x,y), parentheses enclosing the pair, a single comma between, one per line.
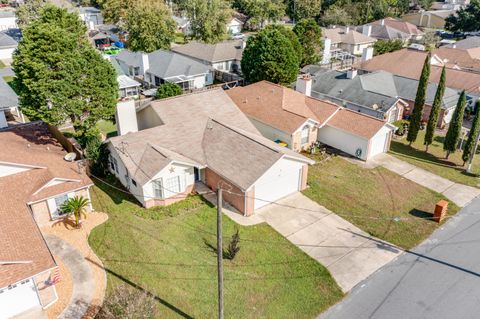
(7,46)
(9,109)
(471,44)
(235,25)
(391,29)
(434,19)
(380,94)
(162,66)
(127,87)
(35,180)
(296,120)
(91,16)
(347,39)
(223,56)
(408,63)
(169,145)
(449,5)
(8,20)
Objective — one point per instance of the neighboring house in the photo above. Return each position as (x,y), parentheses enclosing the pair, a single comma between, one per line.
(127,87)
(380,94)
(35,180)
(162,66)
(234,26)
(297,120)
(183,24)
(91,16)
(347,39)
(99,39)
(223,56)
(409,63)
(449,5)
(201,138)
(383,32)
(413,32)
(434,19)
(471,45)
(8,20)
(9,105)
(7,46)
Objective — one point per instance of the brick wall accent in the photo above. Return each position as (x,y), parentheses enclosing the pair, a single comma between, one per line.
(212,180)
(297,138)
(426,113)
(168,201)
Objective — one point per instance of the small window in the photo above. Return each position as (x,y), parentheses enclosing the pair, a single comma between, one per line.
(305,134)
(113,164)
(172,184)
(134,182)
(136,70)
(157,188)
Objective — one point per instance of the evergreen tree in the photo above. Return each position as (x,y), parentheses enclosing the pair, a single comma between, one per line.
(310,36)
(61,77)
(455,127)
(437,103)
(270,55)
(417,114)
(472,136)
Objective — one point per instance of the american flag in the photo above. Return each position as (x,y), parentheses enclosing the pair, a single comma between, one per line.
(55,277)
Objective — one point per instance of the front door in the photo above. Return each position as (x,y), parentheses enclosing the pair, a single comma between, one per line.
(196,172)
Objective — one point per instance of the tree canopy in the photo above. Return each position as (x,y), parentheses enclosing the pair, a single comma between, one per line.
(385,46)
(270,55)
(60,76)
(303,9)
(168,90)
(149,27)
(468,151)
(310,37)
(28,11)
(455,126)
(434,113)
(466,19)
(261,11)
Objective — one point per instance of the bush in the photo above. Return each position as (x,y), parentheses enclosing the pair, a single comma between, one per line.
(97,154)
(168,90)
(129,303)
(233,247)
(402,126)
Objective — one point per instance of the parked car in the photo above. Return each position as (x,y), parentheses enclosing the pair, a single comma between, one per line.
(238,36)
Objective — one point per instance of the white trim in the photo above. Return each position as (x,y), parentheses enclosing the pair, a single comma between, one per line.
(21,165)
(47,184)
(330,117)
(59,194)
(308,121)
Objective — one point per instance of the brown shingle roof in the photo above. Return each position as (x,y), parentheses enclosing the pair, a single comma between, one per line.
(400,25)
(269,109)
(30,144)
(409,63)
(339,35)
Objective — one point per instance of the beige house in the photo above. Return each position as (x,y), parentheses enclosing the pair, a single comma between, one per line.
(296,120)
(35,180)
(170,146)
(347,39)
(434,19)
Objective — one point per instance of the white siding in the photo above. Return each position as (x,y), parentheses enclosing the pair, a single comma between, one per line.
(343,141)
(10,169)
(3,119)
(8,23)
(184,172)
(379,142)
(272,133)
(6,54)
(282,179)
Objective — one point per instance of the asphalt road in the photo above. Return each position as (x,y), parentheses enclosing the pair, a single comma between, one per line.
(439,279)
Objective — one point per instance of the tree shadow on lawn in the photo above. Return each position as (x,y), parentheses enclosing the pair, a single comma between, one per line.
(422,156)
(117,196)
(136,286)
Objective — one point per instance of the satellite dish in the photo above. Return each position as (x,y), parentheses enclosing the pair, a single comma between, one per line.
(70,157)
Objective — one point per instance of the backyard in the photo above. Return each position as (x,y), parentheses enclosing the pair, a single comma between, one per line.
(169,251)
(434,161)
(372,198)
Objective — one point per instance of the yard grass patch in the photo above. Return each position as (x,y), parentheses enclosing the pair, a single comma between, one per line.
(170,253)
(9,79)
(108,128)
(434,161)
(369,197)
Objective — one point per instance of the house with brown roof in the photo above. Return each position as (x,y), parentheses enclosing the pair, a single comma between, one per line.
(168,146)
(347,39)
(35,180)
(433,19)
(408,63)
(404,27)
(297,120)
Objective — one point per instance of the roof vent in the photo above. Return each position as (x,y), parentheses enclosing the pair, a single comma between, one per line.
(209,125)
(28,145)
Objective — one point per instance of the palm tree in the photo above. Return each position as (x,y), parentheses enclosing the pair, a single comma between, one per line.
(75,206)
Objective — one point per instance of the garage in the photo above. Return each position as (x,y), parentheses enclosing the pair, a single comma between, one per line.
(282,179)
(379,143)
(18,298)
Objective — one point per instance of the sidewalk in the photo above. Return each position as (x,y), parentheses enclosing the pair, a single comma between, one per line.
(460,194)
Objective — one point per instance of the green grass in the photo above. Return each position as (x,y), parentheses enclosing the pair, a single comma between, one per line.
(357,193)
(179,38)
(108,128)
(434,161)
(2,65)
(169,252)
(9,79)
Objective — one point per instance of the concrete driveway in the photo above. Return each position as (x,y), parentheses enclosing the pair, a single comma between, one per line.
(350,254)
(457,193)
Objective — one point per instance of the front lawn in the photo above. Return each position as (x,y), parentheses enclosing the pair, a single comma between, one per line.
(369,197)
(169,251)
(108,128)
(434,161)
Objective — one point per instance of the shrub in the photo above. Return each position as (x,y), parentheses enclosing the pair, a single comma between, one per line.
(168,90)
(129,303)
(233,246)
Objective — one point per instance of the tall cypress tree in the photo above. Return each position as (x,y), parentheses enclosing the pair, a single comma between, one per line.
(416,118)
(455,128)
(433,118)
(472,135)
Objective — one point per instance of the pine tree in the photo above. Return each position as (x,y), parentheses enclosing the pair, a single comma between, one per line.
(417,113)
(455,128)
(437,103)
(472,136)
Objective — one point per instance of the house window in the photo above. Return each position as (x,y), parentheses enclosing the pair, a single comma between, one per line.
(157,81)
(113,164)
(136,70)
(172,184)
(157,188)
(305,134)
(59,201)
(134,182)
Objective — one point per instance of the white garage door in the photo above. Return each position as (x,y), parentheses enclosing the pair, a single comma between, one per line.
(281,180)
(378,143)
(17,299)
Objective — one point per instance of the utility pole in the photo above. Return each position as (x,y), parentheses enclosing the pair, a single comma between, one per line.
(219,253)
(469,167)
